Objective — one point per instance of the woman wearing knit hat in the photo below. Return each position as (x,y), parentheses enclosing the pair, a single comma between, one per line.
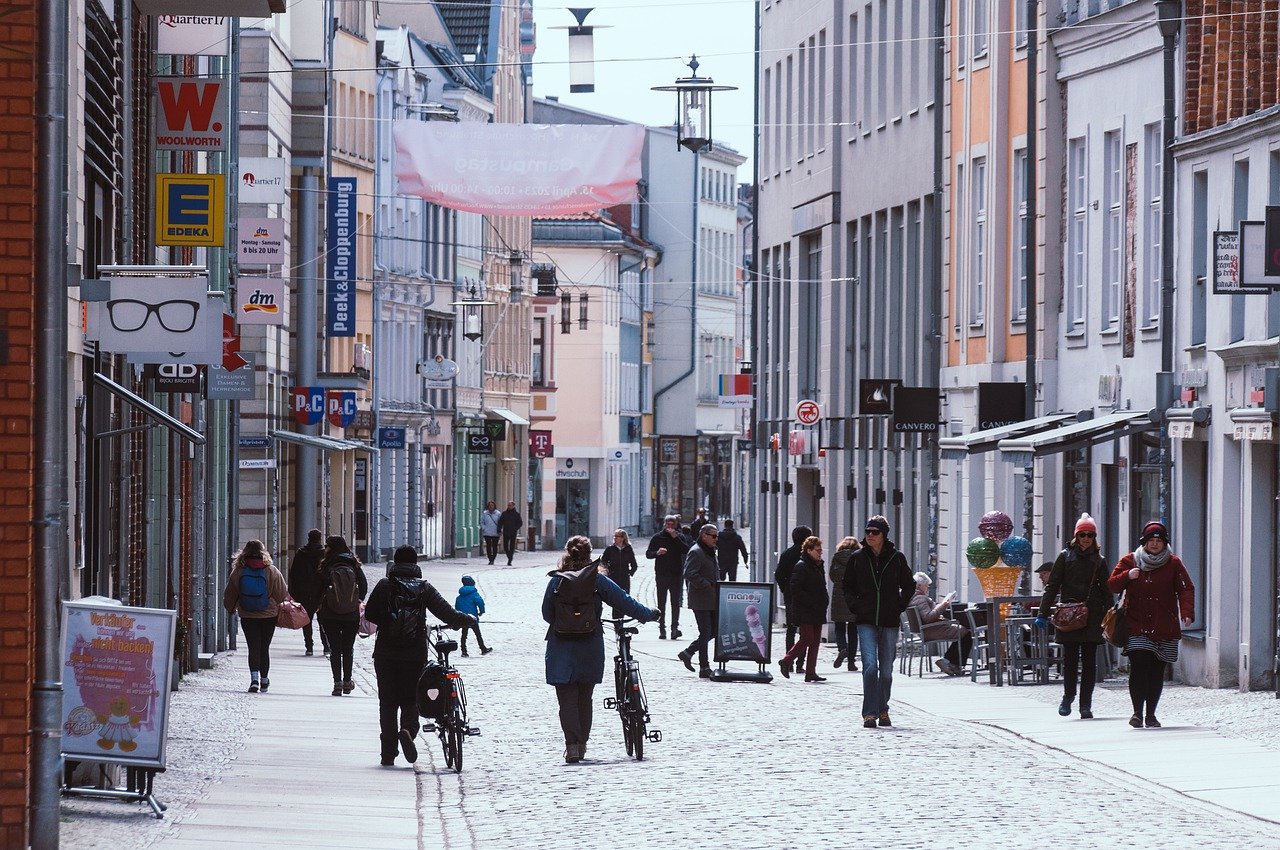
(1157,593)
(1079,575)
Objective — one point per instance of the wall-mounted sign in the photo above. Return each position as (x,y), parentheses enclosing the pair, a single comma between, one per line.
(618,456)
(808,412)
(308,405)
(190,114)
(496,429)
(254,442)
(391,438)
(540,444)
(1227,272)
(479,444)
(1253,257)
(572,468)
(875,396)
(260,241)
(735,391)
(257,463)
(1271,242)
(439,372)
(173,377)
(190,209)
(191,35)
(262,180)
(340,406)
(260,300)
(158,319)
(916,409)
(232,385)
(340,251)
(1001,404)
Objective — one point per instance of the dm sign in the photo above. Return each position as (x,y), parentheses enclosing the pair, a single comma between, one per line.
(189,209)
(260,301)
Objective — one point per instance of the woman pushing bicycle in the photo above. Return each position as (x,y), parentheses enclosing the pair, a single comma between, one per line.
(572,607)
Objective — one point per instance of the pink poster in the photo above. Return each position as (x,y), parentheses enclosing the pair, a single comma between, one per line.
(519,169)
(116,663)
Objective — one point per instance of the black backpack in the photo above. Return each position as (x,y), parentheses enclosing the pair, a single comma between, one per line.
(577,613)
(405,623)
(343,596)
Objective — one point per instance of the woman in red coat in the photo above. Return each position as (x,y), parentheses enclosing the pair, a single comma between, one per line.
(1158,592)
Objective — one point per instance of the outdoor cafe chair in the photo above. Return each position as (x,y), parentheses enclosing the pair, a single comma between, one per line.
(926,648)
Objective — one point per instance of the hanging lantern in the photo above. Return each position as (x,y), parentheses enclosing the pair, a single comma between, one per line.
(472,325)
(582,53)
(582,312)
(693,108)
(515,260)
(564,312)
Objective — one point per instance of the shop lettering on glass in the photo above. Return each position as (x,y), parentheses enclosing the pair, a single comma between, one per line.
(340,244)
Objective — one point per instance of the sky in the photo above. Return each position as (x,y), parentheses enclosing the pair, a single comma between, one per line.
(647,44)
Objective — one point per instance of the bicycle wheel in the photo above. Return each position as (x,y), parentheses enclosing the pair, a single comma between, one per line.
(637,736)
(626,733)
(457,731)
(446,743)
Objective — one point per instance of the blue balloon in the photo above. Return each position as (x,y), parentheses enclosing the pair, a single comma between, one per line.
(1016,551)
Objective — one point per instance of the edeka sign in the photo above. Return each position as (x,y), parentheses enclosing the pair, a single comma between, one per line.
(189,209)
(340,249)
(744,622)
(190,114)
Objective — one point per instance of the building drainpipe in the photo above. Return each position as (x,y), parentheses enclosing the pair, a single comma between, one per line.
(306,478)
(1033,325)
(758,571)
(50,421)
(933,360)
(1169,18)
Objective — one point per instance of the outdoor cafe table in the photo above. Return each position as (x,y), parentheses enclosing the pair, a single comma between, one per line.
(996,629)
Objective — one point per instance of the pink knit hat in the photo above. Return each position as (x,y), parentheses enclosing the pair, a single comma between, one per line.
(1086,523)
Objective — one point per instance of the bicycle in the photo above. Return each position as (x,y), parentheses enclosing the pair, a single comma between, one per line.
(630,700)
(451,725)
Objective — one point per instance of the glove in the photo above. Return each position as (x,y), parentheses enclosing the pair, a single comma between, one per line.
(1041,623)
(654,615)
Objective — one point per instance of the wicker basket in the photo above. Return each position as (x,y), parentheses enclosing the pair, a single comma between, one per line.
(999,581)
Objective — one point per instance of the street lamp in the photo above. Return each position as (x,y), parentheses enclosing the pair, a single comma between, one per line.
(515,259)
(472,328)
(582,71)
(693,108)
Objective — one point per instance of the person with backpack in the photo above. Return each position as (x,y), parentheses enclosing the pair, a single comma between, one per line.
(254,590)
(470,601)
(344,585)
(398,606)
(302,586)
(572,606)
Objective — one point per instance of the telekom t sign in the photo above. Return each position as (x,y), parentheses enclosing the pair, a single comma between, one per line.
(190,114)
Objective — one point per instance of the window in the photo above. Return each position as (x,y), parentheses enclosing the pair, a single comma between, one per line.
(1240,212)
(981,12)
(1020,23)
(820,130)
(1199,254)
(960,188)
(1018,305)
(805,101)
(350,17)
(1077,211)
(978,248)
(539,362)
(961,43)
(882,92)
(1112,228)
(855,55)
(790,112)
(766,109)
(868,68)
(1153,178)
(899,67)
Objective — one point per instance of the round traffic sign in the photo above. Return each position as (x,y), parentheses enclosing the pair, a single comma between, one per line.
(808,412)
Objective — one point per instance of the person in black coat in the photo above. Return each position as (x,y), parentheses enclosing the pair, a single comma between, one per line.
(400,648)
(807,609)
(303,577)
(619,562)
(341,626)
(667,549)
(782,575)
(728,545)
(509,524)
(878,586)
(1079,574)
(700,571)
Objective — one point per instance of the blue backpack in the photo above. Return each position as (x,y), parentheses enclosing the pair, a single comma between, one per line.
(253,590)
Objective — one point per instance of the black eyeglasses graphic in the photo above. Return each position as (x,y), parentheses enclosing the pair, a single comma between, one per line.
(177,316)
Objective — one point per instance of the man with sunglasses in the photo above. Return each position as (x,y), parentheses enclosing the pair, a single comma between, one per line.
(878,586)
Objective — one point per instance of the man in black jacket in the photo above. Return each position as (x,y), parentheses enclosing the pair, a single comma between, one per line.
(303,578)
(782,575)
(397,607)
(728,545)
(510,524)
(878,586)
(667,549)
(700,577)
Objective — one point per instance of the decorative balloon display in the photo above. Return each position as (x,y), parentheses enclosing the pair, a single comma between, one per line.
(996,526)
(982,552)
(1016,552)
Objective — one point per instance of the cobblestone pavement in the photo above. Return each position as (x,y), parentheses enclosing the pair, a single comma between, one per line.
(741,765)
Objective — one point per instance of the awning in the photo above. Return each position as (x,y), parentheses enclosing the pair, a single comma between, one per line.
(328,444)
(977,442)
(503,413)
(1112,426)
(149,409)
(702,432)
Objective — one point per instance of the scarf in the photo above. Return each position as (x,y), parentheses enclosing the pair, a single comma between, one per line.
(1148,562)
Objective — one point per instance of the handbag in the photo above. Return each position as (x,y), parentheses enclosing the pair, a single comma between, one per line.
(1070,616)
(291,615)
(1115,625)
(366,628)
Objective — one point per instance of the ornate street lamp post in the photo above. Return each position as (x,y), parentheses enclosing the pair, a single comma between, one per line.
(693,108)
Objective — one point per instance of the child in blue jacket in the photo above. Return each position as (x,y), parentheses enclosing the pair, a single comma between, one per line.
(471,602)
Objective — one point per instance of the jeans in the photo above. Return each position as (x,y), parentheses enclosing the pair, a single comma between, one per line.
(1074,654)
(669,587)
(258,632)
(479,637)
(397,701)
(808,646)
(879,650)
(706,621)
(491,548)
(847,639)
(1146,681)
(509,547)
(342,645)
(575,711)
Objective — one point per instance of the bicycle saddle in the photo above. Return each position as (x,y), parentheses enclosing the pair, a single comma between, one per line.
(447,645)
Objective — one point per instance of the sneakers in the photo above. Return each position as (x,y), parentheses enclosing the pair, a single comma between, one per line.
(348,686)
(1152,723)
(785,666)
(1064,710)
(869,722)
(486,650)
(253,686)
(266,683)
(1135,722)
(408,747)
(884,719)
(337,689)
(686,659)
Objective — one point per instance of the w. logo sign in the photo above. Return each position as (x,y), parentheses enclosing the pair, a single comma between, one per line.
(190,114)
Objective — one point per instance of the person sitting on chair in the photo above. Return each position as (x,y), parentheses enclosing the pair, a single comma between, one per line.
(937,626)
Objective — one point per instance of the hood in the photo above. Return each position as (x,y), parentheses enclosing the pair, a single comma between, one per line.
(467,590)
(255,563)
(404,571)
(469,581)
